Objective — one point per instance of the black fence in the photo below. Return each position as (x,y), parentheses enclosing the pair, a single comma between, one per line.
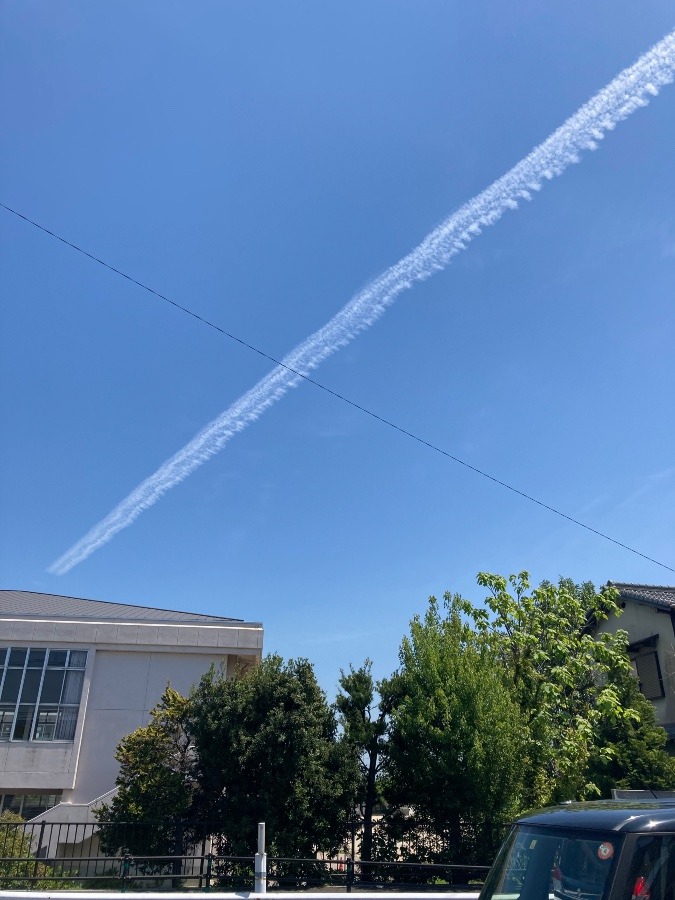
(52,855)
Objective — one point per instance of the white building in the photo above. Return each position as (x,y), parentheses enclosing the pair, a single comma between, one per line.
(78,675)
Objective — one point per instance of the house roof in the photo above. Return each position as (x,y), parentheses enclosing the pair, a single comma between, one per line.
(31,605)
(650,594)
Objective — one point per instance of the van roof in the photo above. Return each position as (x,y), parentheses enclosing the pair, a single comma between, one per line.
(607,815)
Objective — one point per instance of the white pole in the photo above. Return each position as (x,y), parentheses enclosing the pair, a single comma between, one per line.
(261,862)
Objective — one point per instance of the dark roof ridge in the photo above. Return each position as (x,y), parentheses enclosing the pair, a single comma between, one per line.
(659,596)
(654,587)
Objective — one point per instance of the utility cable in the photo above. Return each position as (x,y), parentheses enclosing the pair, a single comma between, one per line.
(337,395)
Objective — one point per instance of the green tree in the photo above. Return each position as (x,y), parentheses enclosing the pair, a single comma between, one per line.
(629,751)
(586,721)
(267,750)
(155,785)
(19,868)
(365,707)
(456,748)
(259,747)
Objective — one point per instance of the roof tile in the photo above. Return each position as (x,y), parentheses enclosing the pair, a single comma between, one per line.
(652,594)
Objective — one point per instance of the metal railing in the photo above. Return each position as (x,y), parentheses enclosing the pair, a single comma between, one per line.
(56,855)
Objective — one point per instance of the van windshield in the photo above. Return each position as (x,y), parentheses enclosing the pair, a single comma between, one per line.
(548,863)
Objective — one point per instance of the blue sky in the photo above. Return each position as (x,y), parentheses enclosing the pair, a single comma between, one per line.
(259,163)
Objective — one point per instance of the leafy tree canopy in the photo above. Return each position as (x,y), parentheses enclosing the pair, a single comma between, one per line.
(259,747)
(575,688)
(457,741)
(365,708)
(153,803)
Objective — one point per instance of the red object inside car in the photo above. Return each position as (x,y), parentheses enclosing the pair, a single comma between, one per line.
(641,890)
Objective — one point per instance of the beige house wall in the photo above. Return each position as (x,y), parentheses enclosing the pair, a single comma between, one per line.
(642,621)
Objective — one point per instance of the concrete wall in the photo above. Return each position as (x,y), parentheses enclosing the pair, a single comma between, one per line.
(126,685)
(128,667)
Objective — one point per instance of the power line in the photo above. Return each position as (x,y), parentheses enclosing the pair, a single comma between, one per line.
(335,394)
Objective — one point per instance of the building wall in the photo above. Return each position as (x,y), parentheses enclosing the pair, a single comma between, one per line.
(128,667)
(125,686)
(641,622)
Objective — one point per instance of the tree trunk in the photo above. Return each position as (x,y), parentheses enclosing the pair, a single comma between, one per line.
(368,806)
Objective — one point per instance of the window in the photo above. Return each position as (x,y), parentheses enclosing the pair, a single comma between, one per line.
(537,863)
(28,805)
(40,692)
(653,871)
(649,675)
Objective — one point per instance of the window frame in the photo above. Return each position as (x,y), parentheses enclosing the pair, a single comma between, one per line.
(15,713)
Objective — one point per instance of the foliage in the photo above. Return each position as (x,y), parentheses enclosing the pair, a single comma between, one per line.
(154,785)
(268,751)
(20,869)
(494,709)
(366,724)
(259,747)
(573,687)
(457,740)
(629,751)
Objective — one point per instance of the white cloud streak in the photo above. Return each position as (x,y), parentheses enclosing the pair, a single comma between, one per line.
(629,91)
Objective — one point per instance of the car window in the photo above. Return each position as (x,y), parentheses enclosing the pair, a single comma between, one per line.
(566,864)
(652,875)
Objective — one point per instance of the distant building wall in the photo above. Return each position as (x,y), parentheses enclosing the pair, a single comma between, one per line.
(128,665)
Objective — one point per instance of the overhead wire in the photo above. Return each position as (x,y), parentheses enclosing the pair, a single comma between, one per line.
(336,394)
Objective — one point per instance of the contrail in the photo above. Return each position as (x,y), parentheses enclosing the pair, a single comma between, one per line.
(630,90)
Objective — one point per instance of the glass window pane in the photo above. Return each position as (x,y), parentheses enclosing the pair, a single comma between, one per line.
(72,688)
(3,654)
(14,804)
(36,658)
(57,658)
(65,728)
(555,862)
(653,874)
(7,801)
(17,656)
(24,720)
(31,684)
(10,689)
(52,685)
(45,724)
(78,659)
(32,806)
(6,720)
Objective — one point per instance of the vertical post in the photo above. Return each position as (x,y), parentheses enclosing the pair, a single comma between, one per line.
(38,852)
(126,862)
(350,874)
(261,862)
(209,869)
(201,861)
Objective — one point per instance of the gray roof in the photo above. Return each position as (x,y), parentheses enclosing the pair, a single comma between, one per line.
(30,604)
(650,594)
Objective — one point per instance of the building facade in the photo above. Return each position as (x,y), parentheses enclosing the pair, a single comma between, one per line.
(77,675)
(648,616)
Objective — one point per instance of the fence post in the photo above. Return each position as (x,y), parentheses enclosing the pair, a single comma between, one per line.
(209,868)
(36,867)
(350,874)
(126,863)
(261,862)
